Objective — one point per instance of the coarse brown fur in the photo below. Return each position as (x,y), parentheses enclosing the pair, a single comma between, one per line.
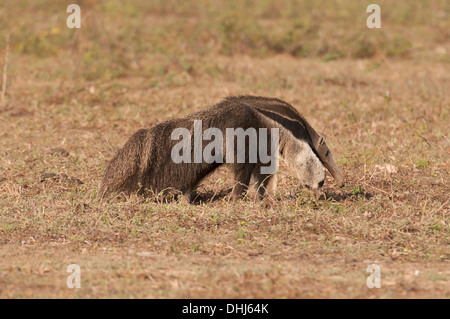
(144,162)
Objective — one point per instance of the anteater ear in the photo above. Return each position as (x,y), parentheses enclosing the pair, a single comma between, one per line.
(321,140)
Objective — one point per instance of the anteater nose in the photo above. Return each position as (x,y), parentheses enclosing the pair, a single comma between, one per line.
(321,183)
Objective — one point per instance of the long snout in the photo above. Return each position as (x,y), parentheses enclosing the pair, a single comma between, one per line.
(336,173)
(333,168)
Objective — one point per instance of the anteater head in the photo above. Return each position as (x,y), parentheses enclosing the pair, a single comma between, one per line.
(305,165)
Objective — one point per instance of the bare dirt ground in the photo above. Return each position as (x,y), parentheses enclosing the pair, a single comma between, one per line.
(68,109)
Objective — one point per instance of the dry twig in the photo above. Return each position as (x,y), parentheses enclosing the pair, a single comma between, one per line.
(5,70)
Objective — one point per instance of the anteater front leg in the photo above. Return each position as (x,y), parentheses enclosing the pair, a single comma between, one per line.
(242,175)
(265,185)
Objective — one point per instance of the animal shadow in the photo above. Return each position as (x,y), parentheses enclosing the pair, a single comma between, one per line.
(209,196)
(340,196)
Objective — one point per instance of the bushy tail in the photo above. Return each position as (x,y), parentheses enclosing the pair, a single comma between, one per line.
(123,173)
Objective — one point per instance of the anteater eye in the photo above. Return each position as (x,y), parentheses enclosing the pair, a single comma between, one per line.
(327,153)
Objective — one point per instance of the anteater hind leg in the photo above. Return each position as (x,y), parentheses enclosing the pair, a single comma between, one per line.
(264,184)
(190,194)
(242,175)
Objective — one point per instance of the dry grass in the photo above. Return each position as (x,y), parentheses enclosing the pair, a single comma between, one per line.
(73,97)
